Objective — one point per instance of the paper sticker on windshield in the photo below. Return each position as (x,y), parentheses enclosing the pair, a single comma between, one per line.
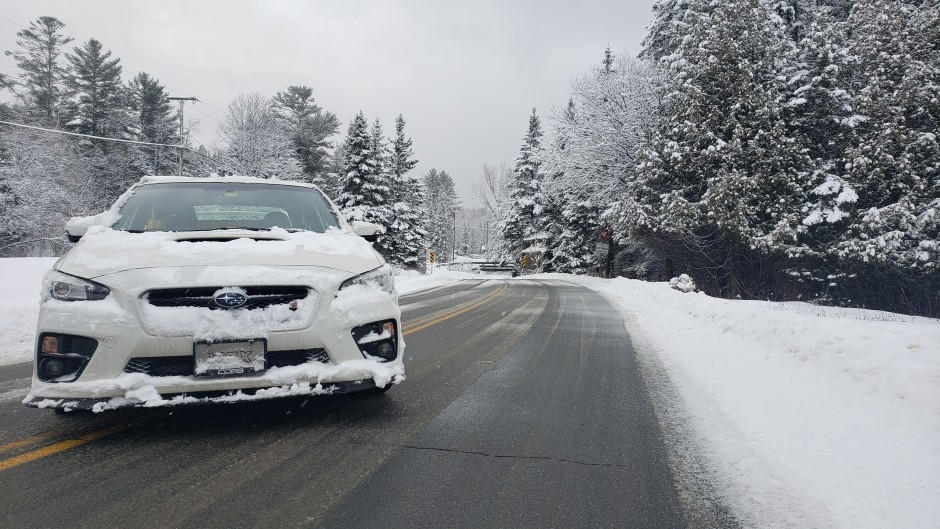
(231,194)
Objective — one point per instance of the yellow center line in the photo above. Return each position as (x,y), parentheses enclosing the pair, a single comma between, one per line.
(432,317)
(445,317)
(62,446)
(67,444)
(52,434)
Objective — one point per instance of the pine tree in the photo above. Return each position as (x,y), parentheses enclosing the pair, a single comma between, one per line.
(94,79)
(154,121)
(440,207)
(895,168)
(407,232)
(520,221)
(309,128)
(365,191)
(39,59)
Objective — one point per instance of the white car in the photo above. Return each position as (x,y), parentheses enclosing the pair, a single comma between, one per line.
(214,290)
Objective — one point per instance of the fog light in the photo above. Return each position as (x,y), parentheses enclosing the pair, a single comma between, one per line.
(50,344)
(52,367)
(385,349)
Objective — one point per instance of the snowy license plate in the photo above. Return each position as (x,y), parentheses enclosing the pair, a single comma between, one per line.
(227,359)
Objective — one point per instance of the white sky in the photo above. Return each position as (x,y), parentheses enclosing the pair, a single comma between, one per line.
(465,75)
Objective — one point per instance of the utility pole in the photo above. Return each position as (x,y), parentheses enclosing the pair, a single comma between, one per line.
(454,256)
(182,100)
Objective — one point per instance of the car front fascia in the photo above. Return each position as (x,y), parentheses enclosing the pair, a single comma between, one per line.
(117,323)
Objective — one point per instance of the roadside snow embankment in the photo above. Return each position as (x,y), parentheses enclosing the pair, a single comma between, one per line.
(805,416)
(20,285)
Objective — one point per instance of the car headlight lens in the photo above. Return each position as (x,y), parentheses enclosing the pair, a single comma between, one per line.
(70,288)
(381,277)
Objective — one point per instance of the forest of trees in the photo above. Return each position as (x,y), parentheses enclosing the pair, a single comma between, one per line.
(771,149)
(47,177)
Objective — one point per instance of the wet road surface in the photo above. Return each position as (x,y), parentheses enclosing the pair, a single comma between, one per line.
(523,407)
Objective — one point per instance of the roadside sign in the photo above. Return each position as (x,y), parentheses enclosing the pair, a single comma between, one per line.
(431,257)
(601,249)
(523,261)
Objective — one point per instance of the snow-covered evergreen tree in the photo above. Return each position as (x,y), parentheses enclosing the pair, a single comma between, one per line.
(365,191)
(521,219)
(97,101)
(407,231)
(895,168)
(40,84)
(153,120)
(309,128)
(440,207)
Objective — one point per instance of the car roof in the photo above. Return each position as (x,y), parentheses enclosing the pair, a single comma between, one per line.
(223,179)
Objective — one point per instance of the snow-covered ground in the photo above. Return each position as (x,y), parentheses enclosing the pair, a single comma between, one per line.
(20,281)
(801,416)
(804,416)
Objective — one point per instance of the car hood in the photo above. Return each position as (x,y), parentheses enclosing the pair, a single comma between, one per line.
(104,251)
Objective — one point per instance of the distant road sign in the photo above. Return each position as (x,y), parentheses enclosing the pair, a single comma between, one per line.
(601,249)
(523,261)
(431,257)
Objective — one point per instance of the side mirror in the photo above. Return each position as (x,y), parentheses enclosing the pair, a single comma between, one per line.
(367,230)
(75,230)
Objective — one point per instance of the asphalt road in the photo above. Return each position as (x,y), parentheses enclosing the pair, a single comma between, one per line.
(523,407)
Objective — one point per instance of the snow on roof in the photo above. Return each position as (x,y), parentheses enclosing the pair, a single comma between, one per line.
(217,178)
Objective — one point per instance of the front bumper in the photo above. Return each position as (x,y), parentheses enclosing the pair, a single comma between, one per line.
(127,332)
(202,397)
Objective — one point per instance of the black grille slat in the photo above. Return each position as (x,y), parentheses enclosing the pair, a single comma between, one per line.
(161,366)
(297,357)
(182,366)
(258,297)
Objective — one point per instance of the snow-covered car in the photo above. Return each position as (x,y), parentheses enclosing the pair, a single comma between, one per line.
(214,290)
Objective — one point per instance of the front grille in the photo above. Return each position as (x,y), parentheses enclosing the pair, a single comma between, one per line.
(297,357)
(258,297)
(182,366)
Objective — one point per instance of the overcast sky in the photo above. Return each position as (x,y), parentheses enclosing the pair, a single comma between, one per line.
(465,75)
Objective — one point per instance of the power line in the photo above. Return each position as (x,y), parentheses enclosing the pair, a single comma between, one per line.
(56,131)
(90,136)
(12,22)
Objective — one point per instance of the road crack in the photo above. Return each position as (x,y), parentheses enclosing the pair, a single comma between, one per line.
(514,456)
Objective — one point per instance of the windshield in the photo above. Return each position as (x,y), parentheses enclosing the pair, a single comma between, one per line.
(204,206)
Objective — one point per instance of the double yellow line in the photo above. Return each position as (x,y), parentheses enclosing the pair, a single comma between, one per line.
(110,429)
(438,318)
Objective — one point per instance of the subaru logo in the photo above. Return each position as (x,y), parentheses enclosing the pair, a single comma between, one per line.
(231,300)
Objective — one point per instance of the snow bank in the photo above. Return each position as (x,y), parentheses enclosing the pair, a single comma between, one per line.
(20,285)
(805,416)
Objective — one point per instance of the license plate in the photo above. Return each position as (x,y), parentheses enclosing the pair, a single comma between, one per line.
(229,359)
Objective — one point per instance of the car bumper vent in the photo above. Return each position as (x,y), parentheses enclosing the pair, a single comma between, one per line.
(161,366)
(297,357)
(182,366)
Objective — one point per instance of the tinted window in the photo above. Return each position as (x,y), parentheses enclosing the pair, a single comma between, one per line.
(201,206)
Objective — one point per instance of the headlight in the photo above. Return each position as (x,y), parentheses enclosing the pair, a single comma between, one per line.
(70,288)
(381,277)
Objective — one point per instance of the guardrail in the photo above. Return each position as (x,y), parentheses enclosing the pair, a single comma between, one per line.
(481,266)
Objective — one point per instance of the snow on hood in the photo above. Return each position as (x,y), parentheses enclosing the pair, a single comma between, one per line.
(104,251)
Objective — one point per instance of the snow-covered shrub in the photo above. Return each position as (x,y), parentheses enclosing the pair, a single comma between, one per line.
(683,283)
